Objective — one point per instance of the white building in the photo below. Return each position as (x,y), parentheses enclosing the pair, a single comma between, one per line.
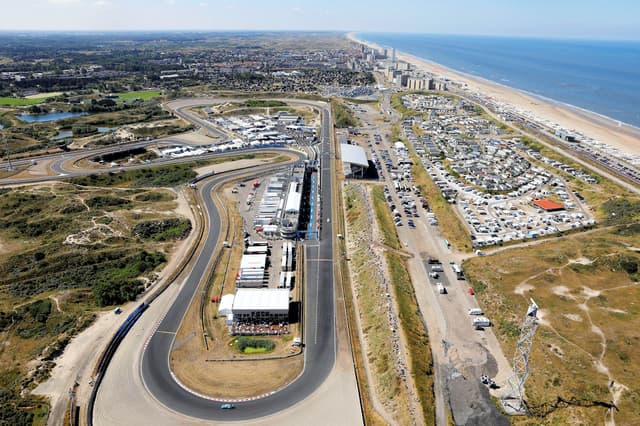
(354,160)
(261,305)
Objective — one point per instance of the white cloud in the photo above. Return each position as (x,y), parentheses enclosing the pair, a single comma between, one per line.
(170,2)
(101,3)
(203,4)
(64,2)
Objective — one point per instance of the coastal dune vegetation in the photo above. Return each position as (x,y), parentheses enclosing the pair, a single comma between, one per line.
(70,250)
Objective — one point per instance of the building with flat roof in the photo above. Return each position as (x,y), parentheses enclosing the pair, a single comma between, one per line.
(254,261)
(354,161)
(261,305)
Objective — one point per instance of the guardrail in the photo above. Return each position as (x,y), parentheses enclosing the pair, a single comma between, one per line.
(109,352)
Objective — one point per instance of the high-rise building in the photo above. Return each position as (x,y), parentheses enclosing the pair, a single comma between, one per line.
(393,55)
(404,66)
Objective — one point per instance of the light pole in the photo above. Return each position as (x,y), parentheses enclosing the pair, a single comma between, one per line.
(6,148)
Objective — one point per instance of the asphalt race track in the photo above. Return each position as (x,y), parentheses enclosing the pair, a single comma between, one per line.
(319,323)
(319,333)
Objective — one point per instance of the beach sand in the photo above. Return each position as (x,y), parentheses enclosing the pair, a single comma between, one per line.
(601,129)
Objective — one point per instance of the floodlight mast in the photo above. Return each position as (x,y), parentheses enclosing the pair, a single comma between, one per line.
(514,399)
(6,149)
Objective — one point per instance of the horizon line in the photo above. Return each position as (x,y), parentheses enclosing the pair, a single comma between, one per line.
(346,32)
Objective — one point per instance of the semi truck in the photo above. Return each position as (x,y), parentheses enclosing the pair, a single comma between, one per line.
(458,270)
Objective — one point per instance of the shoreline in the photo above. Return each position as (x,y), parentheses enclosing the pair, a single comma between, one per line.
(600,128)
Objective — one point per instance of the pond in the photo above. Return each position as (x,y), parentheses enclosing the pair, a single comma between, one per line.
(52,116)
(65,134)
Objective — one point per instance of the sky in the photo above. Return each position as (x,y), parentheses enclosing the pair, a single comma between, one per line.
(593,19)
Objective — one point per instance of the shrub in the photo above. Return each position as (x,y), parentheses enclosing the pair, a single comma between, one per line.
(36,228)
(74,269)
(115,293)
(248,342)
(154,196)
(343,117)
(40,310)
(621,210)
(104,201)
(629,264)
(263,103)
(628,230)
(157,176)
(163,230)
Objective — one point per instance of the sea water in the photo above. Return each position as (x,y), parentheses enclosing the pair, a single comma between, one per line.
(596,75)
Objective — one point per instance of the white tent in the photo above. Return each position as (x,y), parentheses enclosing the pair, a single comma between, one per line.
(226,303)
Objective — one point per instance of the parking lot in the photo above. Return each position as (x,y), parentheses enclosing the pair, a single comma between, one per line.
(495,183)
(461,352)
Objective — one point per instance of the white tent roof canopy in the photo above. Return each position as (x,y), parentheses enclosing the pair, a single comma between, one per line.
(226,303)
(261,299)
(353,154)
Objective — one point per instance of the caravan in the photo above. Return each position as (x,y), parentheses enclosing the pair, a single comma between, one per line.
(481,322)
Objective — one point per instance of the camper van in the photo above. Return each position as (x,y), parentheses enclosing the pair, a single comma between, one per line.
(481,322)
(475,311)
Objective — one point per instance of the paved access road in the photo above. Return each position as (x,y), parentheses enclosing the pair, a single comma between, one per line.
(60,166)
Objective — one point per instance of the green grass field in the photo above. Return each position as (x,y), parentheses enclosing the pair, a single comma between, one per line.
(250,350)
(20,101)
(46,95)
(142,94)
